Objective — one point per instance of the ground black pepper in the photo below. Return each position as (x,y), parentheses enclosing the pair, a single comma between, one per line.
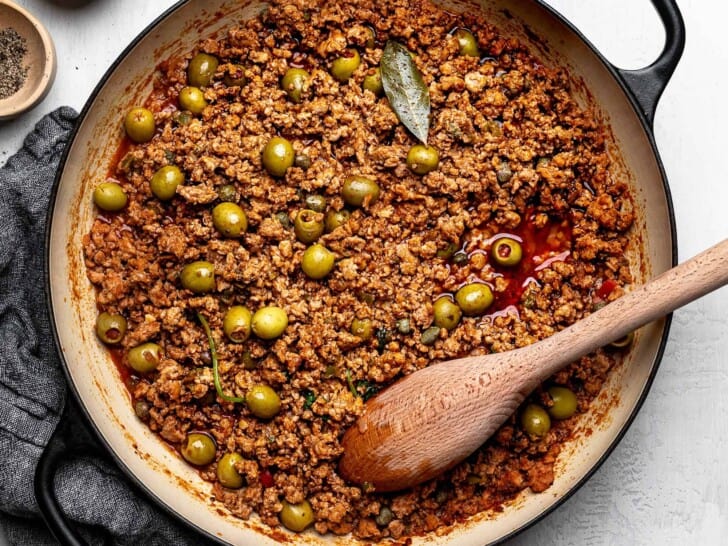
(12,70)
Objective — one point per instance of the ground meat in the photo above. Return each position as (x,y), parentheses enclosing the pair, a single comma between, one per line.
(518,157)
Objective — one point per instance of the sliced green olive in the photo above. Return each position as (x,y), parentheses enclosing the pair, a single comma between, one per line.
(623,342)
(535,420)
(165,181)
(358,190)
(227,473)
(308,225)
(295,83)
(192,99)
(201,69)
(422,159)
(335,219)
(362,328)
(317,261)
(199,277)
(296,517)
(278,156)
(198,449)
(467,43)
(237,323)
(474,298)
(139,125)
(229,219)
(564,402)
(269,322)
(263,402)
(344,67)
(447,313)
(109,196)
(110,328)
(234,75)
(506,251)
(144,358)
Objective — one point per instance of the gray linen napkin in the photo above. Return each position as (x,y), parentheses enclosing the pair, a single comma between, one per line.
(104,506)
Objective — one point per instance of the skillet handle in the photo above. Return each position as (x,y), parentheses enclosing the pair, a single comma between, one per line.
(647,84)
(43,486)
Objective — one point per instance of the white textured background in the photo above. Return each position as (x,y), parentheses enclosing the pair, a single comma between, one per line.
(667,482)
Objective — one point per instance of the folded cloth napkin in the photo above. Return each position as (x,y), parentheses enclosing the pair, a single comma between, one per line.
(100,501)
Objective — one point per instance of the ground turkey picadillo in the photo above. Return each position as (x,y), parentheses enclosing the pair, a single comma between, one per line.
(518,163)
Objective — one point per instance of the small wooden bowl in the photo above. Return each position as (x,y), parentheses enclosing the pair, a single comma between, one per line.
(40,58)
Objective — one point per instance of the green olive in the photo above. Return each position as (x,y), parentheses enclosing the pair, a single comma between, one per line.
(139,125)
(269,322)
(145,357)
(506,251)
(535,420)
(447,314)
(234,75)
(227,474)
(109,196)
(308,225)
(361,328)
(192,99)
(474,298)
(623,342)
(335,219)
(358,190)
(373,82)
(430,335)
(229,219)
(372,37)
(278,155)
(422,159)
(201,69)
(237,323)
(164,182)
(296,517)
(110,328)
(565,402)
(295,83)
(263,402)
(343,67)
(315,202)
(198,449)
(317,261)
(227,193)
(199,277)
(467,43)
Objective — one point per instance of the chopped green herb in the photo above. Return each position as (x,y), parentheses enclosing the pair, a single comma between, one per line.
(213,354)
(366,389)
(309,398)
(350,382)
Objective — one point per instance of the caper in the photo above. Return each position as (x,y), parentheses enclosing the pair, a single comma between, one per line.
(110,328)
(317,261)
(269,322)
(263,402)
(535,420)
(467,43)
(283,218)
(139,125)
(564,402)
(278,156)
(430,335)
(447,313)
(201,69)
(302,161)
(384,517)
(474,298)
(308,225)
(361,328)
(358,190)
(335,219)
(373,82)
(623,342)
(344,67)
(504,173)
(506,251)
(314,202)
(199,277)
(141,408)
(422,159)
(145,357)
(192,99)
(295,83)
(296,517)
(229,219)
(198,449)
(460,258)
(237,323)
(227,473)
(165,181)
(109,196)
(404,326)
(227,193)
(234,75)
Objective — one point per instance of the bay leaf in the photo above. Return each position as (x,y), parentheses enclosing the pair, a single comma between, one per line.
(406,89)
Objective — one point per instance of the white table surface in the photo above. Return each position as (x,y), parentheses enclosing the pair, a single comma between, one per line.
(666,483)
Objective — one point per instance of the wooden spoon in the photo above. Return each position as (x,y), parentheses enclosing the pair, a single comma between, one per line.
(432,419)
